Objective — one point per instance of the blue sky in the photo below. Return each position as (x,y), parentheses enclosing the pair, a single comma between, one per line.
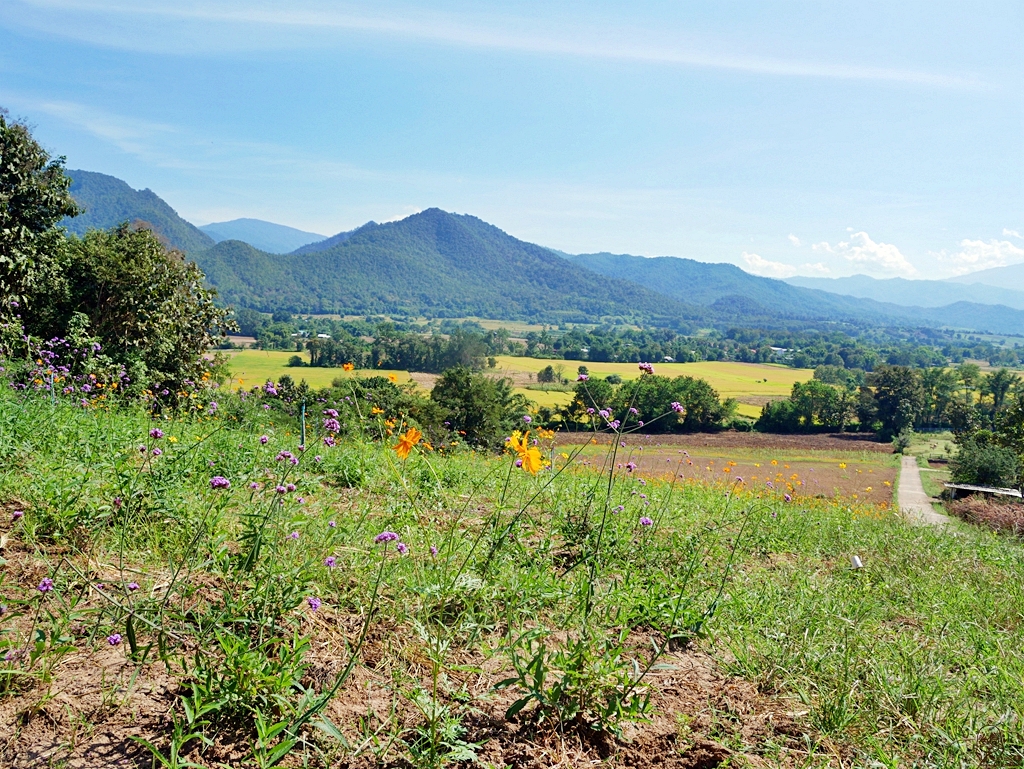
(814,138)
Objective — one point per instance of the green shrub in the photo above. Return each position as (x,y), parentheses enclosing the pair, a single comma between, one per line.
(983,464)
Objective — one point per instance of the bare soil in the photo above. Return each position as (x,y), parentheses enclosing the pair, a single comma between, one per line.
(744,440)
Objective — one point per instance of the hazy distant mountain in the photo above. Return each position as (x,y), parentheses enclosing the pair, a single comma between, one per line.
(714,284)
(922,293)
(266,236)
(1006,277)
(434,263)
(341,237)
(108,201)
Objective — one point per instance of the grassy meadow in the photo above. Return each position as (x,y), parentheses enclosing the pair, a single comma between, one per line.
(199,591)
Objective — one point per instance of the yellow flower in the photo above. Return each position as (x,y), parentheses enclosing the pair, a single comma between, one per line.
(842,465)
(348,366)
(518,442)
(532,461)
(406,442)
(393,377)
(564,455)
(172,439)
(376,411)
(427,445)
(868,489)
(757,464)
(775,461)
(545,435)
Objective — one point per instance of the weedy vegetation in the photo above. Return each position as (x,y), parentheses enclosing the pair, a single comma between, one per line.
(370,599)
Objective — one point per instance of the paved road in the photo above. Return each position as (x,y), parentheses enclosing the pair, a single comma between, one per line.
(913,502)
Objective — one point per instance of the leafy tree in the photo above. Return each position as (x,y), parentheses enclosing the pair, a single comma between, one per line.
(546,374)
(482,409)
(999,384)
(146,306)
(969,376)
(899,398)
(34,197)
(983,463)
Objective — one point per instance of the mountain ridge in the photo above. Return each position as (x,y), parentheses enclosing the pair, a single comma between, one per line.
(920,293)
(267,236)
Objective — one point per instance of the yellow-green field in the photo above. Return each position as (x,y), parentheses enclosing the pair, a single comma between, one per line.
(253,367)
(750,383)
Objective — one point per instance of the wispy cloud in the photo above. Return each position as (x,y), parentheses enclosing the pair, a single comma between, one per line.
(794,240)
(864,252)
(491,34)
(1012,233)
(977,255)
(766,267)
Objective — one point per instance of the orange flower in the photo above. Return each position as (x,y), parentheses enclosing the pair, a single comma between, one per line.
(348,366)
(532,462)
(393,377)
(376,411)
(406,442)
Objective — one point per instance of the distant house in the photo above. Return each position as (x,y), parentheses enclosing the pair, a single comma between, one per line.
(667,359)
(323,336)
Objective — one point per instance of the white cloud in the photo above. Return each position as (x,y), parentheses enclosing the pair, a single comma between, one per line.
(818,268)
(1013,233)
(862,251)
(761,266)
(794,240)
(303,24)
(977,255)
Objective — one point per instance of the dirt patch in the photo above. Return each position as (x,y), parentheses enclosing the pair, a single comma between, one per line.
(425,381)
(741,440)
(984,512)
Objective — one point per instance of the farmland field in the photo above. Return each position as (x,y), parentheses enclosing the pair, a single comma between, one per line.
(752,384)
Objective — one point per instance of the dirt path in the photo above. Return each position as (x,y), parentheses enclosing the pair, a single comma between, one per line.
(914,503)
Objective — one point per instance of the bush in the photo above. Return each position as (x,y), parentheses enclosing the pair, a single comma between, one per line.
(481,409)
(983,464)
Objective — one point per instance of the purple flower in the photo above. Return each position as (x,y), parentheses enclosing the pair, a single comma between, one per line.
(314,602)
(266,407)
(677,407)
(254,485)
(603,413)
(582,378)
(787,497)
(329,440)
(433,550)
(219,482)
(331,524)
(156,432)
(293,535)
(614,424)
(101,586)
(618,509)
(630,466)
(332,425)
(330,562)
(280,489)
(142,449)
(770,485)
(640,423)
(17,514)
(330,413)
(293,461)
(519,462)
(645,521)
(527,418)
(647,368)
(212,407)
(385,536)
(133,586)
(157,451)
(114,639)
(290,487)
(264,439)
(318,459)
(301,500)
(402,548)
(269,388)
(590,411)
(633,410)
(46,585)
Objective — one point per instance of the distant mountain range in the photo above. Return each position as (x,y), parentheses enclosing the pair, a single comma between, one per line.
(447,265)
(930,293)
(1005,277)
(266,236)
(108,201)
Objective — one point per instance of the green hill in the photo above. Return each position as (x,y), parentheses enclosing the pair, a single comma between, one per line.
(108,201)
(439,264)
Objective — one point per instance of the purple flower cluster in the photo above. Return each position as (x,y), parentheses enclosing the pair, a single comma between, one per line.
(332,425)
(677,407)
(219,482)
(645,521)
(647,368)
(156,433)
(386,536)
(269,388)
(582,378)
(314,602)
(114,639)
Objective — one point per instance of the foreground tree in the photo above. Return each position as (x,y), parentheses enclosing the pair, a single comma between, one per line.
(34,197)
(147,307)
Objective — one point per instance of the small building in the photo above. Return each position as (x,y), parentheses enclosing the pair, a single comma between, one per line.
(957,490)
